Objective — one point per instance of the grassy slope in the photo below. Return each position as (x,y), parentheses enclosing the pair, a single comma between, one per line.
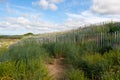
(26,60)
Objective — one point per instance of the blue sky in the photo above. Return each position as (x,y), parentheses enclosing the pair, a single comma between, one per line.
(42,16)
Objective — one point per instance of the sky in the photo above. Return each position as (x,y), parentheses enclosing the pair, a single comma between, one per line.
(44,16)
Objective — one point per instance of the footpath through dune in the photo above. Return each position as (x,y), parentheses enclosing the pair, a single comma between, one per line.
(57,69)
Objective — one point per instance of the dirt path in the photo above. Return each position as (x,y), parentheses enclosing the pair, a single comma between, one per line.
(57,69)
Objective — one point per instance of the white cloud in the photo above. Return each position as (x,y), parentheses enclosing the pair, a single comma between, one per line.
(25,24)
(22,23)
(100,11)
(48,4)
(20,20)
(53,7)
(106,6)
(87,18)
(56,1)
(44,4)
(33,22)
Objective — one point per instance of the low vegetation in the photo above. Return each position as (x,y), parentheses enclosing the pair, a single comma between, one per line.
(90,53)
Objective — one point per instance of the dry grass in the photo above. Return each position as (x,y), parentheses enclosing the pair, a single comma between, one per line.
(7,42)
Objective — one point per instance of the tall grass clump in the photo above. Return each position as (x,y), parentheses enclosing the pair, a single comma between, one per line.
(76,75)
(26,50)
(72,53)
(93,65)
(69,51)
(3,50)
(28,58)
(49,47)
(3,53)
(113,57)
(7,70)
(110,75)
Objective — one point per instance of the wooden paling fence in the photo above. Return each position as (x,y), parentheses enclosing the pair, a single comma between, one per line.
(99,39)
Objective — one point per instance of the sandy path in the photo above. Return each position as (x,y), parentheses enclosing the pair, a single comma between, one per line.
(57,69)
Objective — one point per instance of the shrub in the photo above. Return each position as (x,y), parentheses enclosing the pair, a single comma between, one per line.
(110,75)
(105,49)
(72,53)
(113,27)
(93,65)
(113,57)
(76,75)
(28,34)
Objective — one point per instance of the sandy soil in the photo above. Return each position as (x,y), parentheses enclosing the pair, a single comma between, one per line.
(57,69)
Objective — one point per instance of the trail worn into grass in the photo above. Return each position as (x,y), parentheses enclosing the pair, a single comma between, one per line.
(57,69)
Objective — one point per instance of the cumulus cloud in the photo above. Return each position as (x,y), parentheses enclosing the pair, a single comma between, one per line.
(48,4)
(106,6)
(33,22)
(100,11)
(53,7)
(87,18)
(43,3)
(39,26)
(23,23)
(19,20)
